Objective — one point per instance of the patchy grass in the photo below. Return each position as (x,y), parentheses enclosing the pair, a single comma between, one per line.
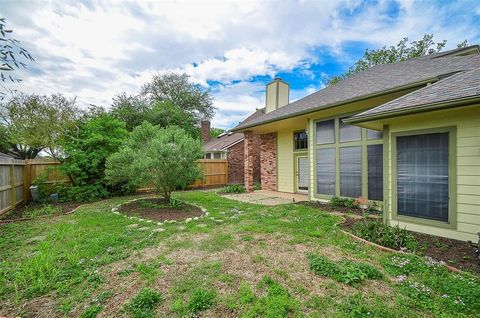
(242,260)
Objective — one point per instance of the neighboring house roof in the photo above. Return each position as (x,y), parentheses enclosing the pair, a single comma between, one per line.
(459,87)
(377,80)
(228,139)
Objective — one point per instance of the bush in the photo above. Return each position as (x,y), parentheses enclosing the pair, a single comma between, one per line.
(347,272)
(233,188)
(164,158)
(257,186)
(345,202)
(378,232)
(143,304)
(86,155)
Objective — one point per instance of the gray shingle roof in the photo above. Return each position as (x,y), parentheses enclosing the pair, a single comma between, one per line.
(459,86)
(373,81)
(223,142)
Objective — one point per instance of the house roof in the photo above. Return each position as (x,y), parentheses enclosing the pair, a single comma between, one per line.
(375,81)
(458,87)
(228,139)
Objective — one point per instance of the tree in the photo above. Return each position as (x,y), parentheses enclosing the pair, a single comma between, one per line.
(215,132)
(180,92)
(162,157)
(133,110)
(35,123)
(4,144)
(402,51)
(10,50)
(86,153)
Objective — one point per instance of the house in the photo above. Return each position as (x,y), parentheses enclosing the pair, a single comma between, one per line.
(230,146)
(404,135)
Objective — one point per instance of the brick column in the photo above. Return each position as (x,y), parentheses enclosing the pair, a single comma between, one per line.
(268,161)
(248,153)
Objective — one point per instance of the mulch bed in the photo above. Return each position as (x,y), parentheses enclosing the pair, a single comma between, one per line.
(19,212)
(455,253)
(328,208)
(161,212)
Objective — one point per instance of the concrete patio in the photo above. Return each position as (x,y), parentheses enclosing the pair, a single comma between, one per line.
(267,197)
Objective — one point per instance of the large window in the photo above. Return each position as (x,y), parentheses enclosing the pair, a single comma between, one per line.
(300,140)
(375,172)
(326,132)
(326,171)
(422,176)
(340,168)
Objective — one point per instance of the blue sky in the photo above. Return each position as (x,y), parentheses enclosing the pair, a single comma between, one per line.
(94,50)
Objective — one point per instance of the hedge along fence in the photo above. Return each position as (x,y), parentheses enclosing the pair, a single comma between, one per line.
(16,177)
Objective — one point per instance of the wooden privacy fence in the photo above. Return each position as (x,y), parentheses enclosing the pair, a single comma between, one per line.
(16,177)
(215,173)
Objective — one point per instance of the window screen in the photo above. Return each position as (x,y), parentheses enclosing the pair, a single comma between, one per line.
(374,134)
(326,132)
(217,155)
(208,156)
(349,132)
(300,139)
(351,171)
(422,176)
(326,171)
(375,172)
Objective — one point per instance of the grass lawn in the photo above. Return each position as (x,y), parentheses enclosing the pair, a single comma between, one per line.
(243,260)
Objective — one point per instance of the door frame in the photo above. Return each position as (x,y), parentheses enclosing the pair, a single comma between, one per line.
(296,156)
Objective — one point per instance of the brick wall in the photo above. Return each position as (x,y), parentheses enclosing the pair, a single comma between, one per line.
(248,154)
(236,163)
(256,158)
(205,131)
(268,161)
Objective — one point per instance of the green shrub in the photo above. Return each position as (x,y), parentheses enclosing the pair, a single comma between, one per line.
(345,202)
(257,186)
(143,304)
(393,237)
(162,157)
(233,188)
(347,272)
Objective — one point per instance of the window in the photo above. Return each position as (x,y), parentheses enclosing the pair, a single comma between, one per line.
(351,171)
(208,156)
(422,176)
(374,134)
(349,132)
(300,140)
(217,155)
(375,172)
(326,171)
(326,132)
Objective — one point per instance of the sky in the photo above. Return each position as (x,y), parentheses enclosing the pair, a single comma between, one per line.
(94,50)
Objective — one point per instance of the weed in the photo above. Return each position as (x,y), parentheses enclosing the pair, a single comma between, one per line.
(348,272)
(233,188)
(44,210)
(91,312)
(378,232)
(201,299)
(345,202)
(143,304)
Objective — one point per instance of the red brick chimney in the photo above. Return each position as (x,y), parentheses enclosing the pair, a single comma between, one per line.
(205,130)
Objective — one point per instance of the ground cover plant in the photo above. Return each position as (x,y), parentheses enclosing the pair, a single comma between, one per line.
(242,260)
(233,188)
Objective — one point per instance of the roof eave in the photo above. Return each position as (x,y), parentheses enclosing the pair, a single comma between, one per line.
(414,110)
(312,110)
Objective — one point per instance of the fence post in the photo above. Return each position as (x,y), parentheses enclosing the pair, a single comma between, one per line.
(13,199)
(26,181)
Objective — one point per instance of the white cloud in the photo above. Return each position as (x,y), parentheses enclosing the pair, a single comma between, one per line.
(96,49)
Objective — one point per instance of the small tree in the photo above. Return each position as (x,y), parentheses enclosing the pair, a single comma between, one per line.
(162,157)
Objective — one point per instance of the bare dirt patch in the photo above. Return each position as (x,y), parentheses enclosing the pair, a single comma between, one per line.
(22,211)
(326,207)
(160,210)
(456,253)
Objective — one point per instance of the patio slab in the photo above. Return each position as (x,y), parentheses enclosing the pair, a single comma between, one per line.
(266,197)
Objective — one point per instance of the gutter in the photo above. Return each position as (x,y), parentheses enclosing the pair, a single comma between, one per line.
(356,99)
(415,109)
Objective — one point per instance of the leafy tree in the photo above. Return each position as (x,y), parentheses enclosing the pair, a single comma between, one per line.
(400,52)
(86,153)
(180,92)
(4,144)
(10,50)
(162,157)
(132,110)
(34,123)
(215,132)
